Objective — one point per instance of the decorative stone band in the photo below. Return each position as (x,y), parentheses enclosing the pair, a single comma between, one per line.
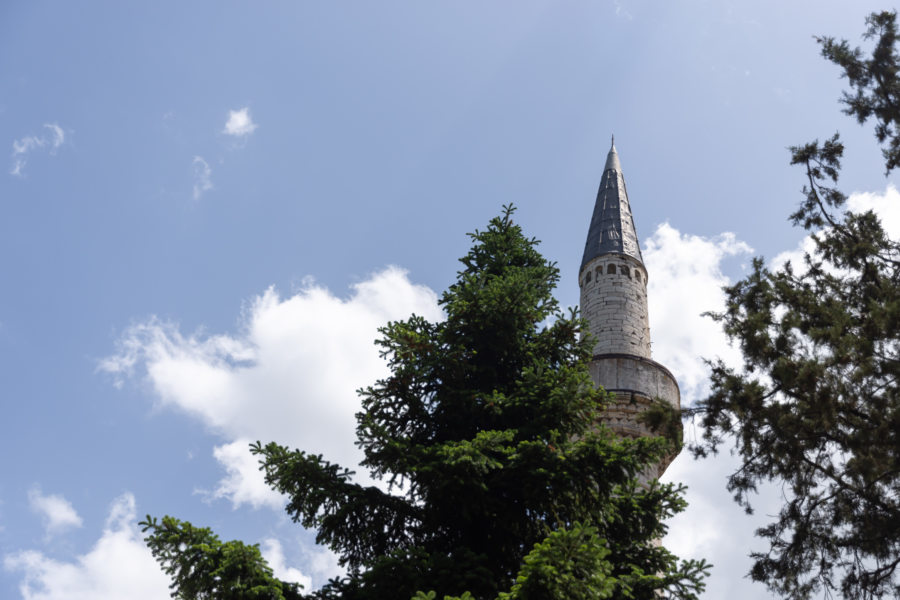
(635,382)
(632,372)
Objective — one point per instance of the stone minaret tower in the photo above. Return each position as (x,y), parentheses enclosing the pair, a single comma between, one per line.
(613,283)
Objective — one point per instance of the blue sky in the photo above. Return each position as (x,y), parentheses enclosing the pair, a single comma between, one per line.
(207,208)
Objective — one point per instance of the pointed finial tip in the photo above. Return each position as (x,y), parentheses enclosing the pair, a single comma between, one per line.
(612,159)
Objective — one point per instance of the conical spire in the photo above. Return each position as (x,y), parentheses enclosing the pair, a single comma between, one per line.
(612,227)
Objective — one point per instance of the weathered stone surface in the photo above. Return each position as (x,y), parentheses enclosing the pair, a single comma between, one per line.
(635,374)
(615,305)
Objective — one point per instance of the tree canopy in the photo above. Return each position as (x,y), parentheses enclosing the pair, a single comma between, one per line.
(498,479)
(816,403)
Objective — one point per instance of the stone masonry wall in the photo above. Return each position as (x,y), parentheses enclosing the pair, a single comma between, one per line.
(635,383)
(614,302)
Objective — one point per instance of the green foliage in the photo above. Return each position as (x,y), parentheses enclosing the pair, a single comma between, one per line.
(486,434)
(874,79)
(570,564)
(665,420)
(203,567)
(432,595)
(817,404)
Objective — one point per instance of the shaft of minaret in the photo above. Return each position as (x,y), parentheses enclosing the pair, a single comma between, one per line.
(613,281)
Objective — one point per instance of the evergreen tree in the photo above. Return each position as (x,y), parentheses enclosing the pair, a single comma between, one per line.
(816,404)
(501,483)
(202,567)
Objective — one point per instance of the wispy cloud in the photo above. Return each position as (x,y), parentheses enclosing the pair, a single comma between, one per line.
(621,11)
(49,140)
(56,512)
(240,124)
(202,177)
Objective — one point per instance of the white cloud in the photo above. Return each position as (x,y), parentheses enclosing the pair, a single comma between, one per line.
(290,375)
(56,512)
(323,564)
(202,177)
(119,565)
(715,528)
(686,280)
(49,140)
(320,562)
(274,555)
(244,482)
(886,205)
(240,123)
(795,256)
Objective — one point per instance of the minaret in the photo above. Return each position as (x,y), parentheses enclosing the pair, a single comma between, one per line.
(613,283)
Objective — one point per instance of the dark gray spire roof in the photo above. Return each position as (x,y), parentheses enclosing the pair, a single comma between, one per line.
(612,227)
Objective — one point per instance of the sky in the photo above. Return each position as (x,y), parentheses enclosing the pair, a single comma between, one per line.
(208,208)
